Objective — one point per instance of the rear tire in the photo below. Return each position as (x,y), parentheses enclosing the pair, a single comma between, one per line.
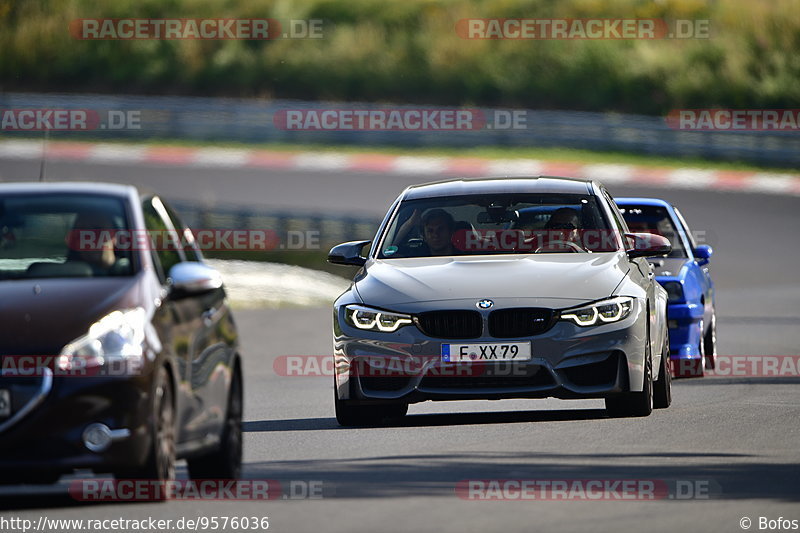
(226,461)
(662,389)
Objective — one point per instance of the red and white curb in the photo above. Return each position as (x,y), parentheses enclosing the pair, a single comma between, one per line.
(683,178)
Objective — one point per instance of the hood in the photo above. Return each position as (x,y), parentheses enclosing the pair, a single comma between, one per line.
(668,267)
(576,277)
(39,317)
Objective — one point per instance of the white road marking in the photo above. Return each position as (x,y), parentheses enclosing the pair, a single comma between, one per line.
(609,174)
(419,165)
(215,157)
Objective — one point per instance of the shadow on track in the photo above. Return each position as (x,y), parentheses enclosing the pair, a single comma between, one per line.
(444,419)
(46,497)
(726,476)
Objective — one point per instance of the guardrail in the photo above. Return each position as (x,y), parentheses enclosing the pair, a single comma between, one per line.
(297,230)
(220,119)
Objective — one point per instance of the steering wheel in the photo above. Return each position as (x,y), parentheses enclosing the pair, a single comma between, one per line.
(571,246)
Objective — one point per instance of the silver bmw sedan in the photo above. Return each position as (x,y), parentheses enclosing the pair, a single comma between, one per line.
(494,288)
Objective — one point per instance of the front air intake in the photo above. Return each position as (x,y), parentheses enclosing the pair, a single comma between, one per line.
(456,324)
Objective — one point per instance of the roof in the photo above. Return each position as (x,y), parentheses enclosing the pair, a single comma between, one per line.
(642,201)
(111,189)
(499,185)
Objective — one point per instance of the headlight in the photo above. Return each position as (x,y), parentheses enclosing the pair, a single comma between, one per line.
(674,291)
(375,319)
(118,335)
(604,312)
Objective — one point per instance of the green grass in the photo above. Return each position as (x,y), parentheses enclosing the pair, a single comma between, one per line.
(408,51)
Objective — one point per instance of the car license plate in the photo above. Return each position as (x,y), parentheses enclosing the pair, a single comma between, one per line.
(5,403)
(500,351)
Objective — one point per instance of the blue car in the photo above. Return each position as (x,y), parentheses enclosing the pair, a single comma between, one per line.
(685,275)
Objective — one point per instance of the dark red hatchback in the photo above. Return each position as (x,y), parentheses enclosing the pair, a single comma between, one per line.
(114,357)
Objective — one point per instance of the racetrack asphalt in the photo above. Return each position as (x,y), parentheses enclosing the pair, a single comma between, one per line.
(734,437)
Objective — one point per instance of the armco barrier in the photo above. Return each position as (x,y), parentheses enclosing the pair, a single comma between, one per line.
(220,119)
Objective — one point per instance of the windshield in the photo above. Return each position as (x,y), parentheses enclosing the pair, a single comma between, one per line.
(62,236)
(498,224)
(654,219)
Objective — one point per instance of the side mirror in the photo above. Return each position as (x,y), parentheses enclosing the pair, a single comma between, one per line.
(348,253)
(702,254)
(647,245)
(190,278)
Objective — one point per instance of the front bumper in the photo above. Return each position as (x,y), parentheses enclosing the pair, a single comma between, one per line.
(685,332)
(47,440)
(568,361)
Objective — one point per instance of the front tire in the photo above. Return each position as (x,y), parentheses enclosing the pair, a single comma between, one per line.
(634,404)
(662,389)
(698,366)
(226,461)
(710,343)
(349,415)
(160,463)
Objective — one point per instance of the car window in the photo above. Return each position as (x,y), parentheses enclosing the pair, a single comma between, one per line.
(190,249)
(685,227)
(655,219)
(495,224)
(163,237)
(63,235)
(619,219)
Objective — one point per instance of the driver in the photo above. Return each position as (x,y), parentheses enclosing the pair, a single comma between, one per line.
(100,255)
(438,227)
(562,230)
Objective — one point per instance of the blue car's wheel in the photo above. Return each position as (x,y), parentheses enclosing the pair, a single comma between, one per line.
(697,369)
(710,343)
